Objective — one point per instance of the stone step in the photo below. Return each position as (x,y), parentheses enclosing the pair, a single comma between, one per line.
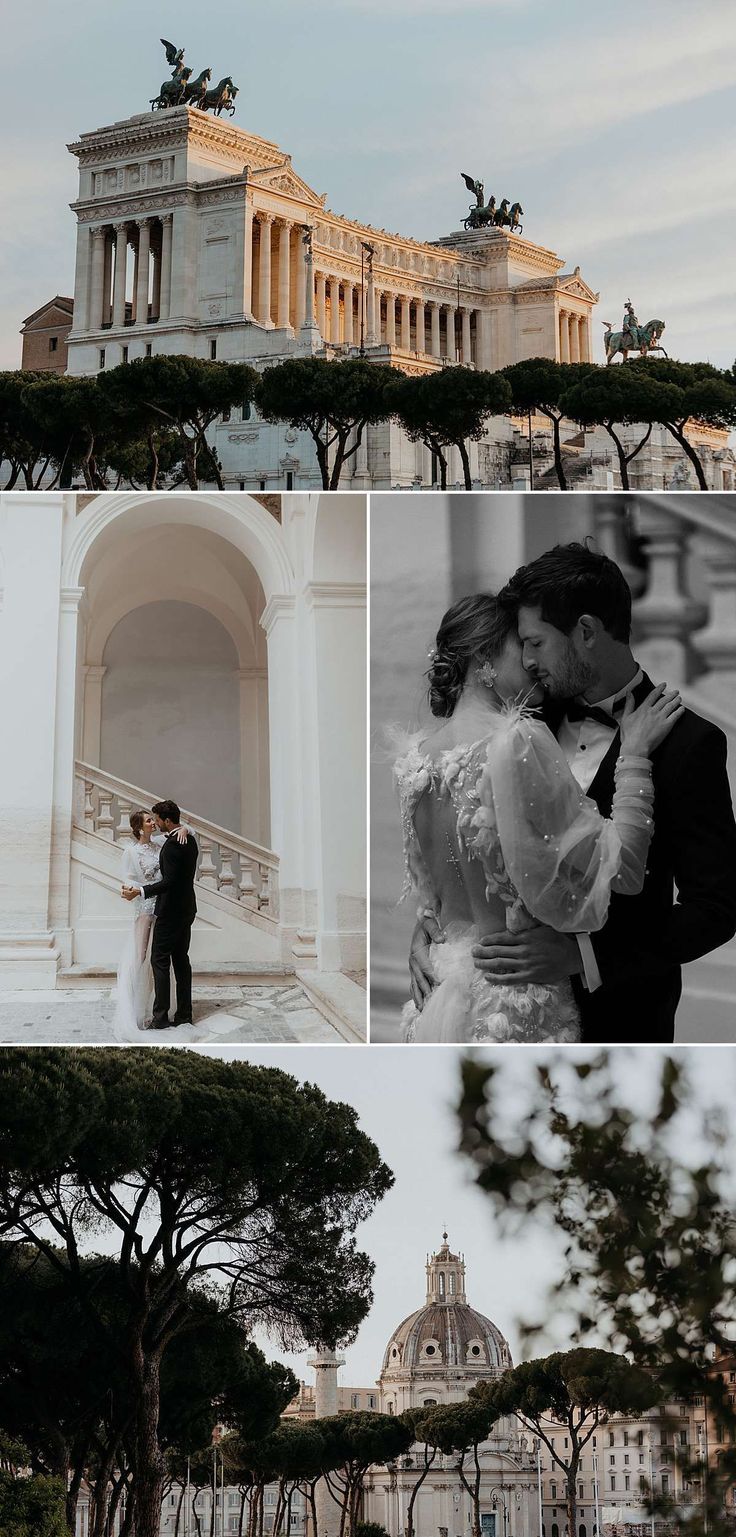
(340,1000)
(215,974)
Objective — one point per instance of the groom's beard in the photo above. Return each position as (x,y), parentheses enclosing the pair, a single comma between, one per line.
(573,676)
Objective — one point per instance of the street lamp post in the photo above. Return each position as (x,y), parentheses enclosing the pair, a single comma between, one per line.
(596,1496)
(539,1486)
(495,1490)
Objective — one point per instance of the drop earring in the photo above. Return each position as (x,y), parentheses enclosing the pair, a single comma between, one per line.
(487,674)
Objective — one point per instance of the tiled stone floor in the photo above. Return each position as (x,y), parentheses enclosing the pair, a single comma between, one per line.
(223,1014)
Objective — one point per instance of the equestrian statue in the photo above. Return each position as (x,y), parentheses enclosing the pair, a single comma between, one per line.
(633,337)
(181,90)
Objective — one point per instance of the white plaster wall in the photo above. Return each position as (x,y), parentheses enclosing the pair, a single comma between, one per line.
(170,709)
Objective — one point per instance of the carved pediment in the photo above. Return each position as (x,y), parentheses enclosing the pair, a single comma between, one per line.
(284,179)
(576,287)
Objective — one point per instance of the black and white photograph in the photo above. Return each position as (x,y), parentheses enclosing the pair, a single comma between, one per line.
(553,731)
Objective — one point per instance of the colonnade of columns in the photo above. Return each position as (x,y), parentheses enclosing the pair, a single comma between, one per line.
(344,311)
(150,241)
(573,337)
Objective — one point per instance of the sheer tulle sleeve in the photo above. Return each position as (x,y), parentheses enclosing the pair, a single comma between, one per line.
(130,872)
(563,856)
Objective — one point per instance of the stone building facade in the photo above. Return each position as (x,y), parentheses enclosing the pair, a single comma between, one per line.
(45,335)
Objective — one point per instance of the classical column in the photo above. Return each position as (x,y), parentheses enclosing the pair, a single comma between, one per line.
(420,325)
(167,222)
(118,293)
(303,272)
(574,339)
(434,312)
(467,346)
(335,311)
(405,324)
(284,300)
(564,338)
(348,303)
(377,297)
(391,319)
(247,275)
(156,286)
(144,253)
(451,341)
(264,271)
(584,349)
(107,276)
(321,303)
(96,316)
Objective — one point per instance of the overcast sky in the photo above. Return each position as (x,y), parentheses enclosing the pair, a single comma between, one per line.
(613,126)
(405,1099)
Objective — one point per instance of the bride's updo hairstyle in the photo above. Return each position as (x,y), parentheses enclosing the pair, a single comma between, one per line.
(475,629)
(136,823)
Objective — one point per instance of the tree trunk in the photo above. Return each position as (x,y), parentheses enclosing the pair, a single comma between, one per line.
(678,433)
(153,475)
(179,1509)
(571,1502)
(465,457)
(623,467)
(148,1459)
(339,459)
(322,460)
(14,473)
(428,1462)
(190,462)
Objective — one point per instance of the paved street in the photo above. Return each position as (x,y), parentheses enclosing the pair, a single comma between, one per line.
(223,1014)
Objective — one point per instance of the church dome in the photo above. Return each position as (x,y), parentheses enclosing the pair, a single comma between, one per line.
(446,1334)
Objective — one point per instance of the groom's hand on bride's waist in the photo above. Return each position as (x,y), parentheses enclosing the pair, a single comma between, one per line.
(538,955)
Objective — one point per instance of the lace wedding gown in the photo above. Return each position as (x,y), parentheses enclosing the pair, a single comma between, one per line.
(134,996)
(499,835)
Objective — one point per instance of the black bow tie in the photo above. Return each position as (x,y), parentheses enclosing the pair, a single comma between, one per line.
(582,711)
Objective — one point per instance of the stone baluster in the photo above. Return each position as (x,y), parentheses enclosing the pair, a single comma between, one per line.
(167,225)
(335,311)
(96,305)
(284,295)
(144,257)
(105,820)
(467,346)
(121,256)
(264,271)
(247,893)
(666,615)
(207,872)
(88,813)
(716,644)
(611,516)
(264,885)
(405,324)
(123,829)
(420,317)
(226,882)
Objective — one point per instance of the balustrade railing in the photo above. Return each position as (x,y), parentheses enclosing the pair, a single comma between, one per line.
(239,870)
(679,556)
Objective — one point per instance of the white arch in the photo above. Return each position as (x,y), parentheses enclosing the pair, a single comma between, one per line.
(238,519)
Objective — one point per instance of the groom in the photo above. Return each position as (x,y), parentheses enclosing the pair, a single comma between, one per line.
(175,911)
(573,612)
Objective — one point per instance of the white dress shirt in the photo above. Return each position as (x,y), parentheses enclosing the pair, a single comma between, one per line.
(585,744)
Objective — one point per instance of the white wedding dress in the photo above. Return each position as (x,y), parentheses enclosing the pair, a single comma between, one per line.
(134,995)
(499,835)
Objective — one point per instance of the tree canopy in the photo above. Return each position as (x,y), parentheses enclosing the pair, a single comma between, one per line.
(449,406)
(330,400)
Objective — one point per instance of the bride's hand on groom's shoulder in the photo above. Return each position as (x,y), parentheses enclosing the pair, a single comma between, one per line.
(645,728)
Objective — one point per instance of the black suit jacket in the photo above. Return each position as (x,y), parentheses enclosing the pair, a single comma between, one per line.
(646,939)
(174,892)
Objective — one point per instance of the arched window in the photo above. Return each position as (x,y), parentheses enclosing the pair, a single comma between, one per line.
(555,1529)
(452,1285)
(442,1284)
(427,1402)
(582,1532)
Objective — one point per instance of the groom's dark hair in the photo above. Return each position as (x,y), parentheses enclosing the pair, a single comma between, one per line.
(568,581)
(168,811)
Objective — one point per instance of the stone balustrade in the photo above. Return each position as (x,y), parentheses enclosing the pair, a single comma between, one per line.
(684,594)
(235,868)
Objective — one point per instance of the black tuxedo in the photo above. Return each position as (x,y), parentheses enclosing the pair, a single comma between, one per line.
(647,938)
(176,908)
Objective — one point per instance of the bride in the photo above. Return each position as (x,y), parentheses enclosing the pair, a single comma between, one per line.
(140,867)
(498,834)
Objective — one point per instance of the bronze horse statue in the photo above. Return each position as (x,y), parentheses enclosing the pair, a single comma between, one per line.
(221,98)
(172,91)
(620,341)
(196,90)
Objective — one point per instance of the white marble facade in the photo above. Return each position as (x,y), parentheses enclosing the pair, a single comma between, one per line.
(205,646)
(191,239)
